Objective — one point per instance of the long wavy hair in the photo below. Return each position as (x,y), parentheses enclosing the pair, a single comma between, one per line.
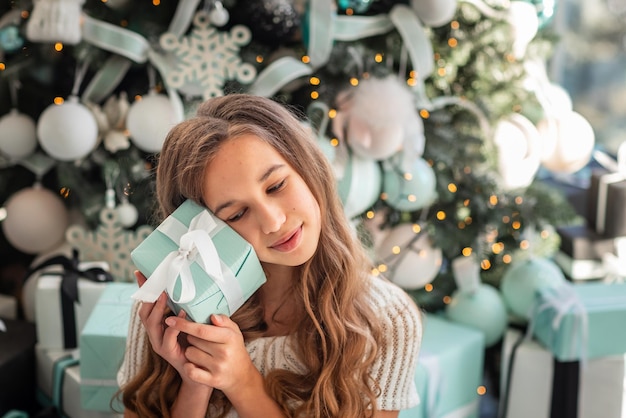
(336,337)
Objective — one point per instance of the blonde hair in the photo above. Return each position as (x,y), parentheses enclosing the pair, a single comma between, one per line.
(337,335)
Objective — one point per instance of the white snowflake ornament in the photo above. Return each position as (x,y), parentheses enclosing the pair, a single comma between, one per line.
(207,58)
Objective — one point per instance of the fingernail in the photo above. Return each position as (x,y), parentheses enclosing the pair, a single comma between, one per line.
(170,321)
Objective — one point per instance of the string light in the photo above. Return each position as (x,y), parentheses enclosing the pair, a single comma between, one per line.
(425,114)
(516,225)
(428,287)
(58,46)
(506,219)
(408,176)
(314,81)
(493,200)
(416,228)
(481,390)
(2,66)
(524,245)
(64,192)
(467,251)
(441,215)
(315,95)
(24,14)
(519,200)
(454,24)
(497,248)
(124,23)
(452,42)
(447,299)
(545,234)
(334,142)
(485,264)
(411,82)
(506,259)
(354,81)
(259,59)
(156,2)
(305,59)
(395,250)
(332,113)
(370,214)
(382,268)
(378,57)
(59,100)
(452,188)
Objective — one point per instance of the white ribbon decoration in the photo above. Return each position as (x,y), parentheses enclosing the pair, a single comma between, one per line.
(615,264)
(433,370)
(195,245)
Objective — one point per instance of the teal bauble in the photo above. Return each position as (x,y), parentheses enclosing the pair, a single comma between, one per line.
(357,6)
(359,187)
(411,190)
(523,279)
(484,309)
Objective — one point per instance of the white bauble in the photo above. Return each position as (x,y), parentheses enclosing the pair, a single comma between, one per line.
(567,142)
(68,131)
(411,259)
(434,13)
(36,220)
(519,150)
(18,135)
(127,214)
(149,120)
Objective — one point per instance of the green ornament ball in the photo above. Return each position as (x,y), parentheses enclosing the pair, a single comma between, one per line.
(483,309)
(523,279)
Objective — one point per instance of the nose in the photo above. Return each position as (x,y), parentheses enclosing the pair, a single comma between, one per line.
(271,217)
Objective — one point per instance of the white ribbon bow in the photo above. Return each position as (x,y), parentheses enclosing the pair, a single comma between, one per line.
(562,300)
(195,245)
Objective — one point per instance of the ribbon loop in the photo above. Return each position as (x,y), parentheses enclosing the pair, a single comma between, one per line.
(174,273)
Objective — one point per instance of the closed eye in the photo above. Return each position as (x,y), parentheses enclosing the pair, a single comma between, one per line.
(278,186)
(237,216)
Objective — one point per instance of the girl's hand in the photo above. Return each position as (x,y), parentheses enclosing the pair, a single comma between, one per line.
(217,356)
(165,341)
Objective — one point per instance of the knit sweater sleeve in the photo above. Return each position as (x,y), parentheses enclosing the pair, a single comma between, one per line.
(136,347)
(394,369)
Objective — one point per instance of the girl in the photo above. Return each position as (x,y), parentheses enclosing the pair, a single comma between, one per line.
(322,337)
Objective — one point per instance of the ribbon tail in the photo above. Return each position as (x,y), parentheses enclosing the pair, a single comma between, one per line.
(156,283)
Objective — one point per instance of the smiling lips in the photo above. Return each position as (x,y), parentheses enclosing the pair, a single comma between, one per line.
(290,242)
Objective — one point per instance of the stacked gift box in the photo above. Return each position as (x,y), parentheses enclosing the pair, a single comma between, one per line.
(594,250)
(449,370)
(66,300)
(570,360)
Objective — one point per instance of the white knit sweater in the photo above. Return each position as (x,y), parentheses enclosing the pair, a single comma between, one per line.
(394,369)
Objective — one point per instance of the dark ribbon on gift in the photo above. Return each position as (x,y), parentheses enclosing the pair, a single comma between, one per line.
(69,289)
(565,382)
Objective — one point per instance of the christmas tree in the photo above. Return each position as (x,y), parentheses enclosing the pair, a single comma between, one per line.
(436,115)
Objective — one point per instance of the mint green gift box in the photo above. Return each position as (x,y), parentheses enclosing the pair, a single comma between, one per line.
(204,265)
(102,347)
(449,370)
(581,321)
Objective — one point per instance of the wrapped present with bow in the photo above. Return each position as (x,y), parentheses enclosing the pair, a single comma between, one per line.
(64,299)
(578,324)
(202,264)
(607,195)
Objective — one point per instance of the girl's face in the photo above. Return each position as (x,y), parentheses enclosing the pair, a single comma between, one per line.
(251,187)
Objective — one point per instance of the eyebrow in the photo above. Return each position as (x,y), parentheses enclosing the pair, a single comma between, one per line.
(261,179)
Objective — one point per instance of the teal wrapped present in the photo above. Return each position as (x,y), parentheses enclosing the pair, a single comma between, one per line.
(580,321)
(102,346)
(204,265)
(449,370)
